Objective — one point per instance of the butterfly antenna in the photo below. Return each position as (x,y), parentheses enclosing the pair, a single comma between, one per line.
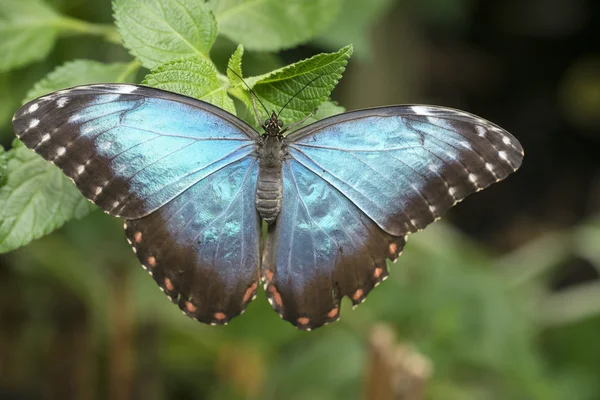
(251,95)
(297,93)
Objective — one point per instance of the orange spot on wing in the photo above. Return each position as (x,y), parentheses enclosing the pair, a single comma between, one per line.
(190,307)
(357,295)
(169,285)
(275,296)
(333,313)
(220,316)
(137,237)
(152,261)
(378,272)
(393,248)
(303,320)
(249,292)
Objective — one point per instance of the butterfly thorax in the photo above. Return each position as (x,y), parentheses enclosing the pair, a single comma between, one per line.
(269,188)
(272,126)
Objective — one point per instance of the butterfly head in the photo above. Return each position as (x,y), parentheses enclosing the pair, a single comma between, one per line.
(272,125)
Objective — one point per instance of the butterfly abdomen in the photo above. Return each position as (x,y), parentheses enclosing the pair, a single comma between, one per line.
(269,188)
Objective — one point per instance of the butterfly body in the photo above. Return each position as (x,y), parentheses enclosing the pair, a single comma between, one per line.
(269,189)
(193,183)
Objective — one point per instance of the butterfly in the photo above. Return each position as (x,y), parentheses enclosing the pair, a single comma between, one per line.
(193,183)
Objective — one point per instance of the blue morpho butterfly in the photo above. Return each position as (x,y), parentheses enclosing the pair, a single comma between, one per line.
(193,182)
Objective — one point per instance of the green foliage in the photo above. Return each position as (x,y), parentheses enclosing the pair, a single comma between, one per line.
(3,166)
(321,72)
(192,77)
(80,72)
(28,29)
(353,25)
(272,25)
(159,31)
(36,199)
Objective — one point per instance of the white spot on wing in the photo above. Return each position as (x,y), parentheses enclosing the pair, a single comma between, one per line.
(126,89)
(80,170)
(60,103)
(423,111)
(60,151)
(502,155)
(480,130)
(506,140)
(473,178)
(33,108)
(489,167)
(45,138)
(33,123)
(98,190)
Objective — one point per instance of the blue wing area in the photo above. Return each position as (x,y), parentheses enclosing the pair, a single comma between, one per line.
(356,184)
(321,248)
(181,171)
(202,248)
(131,149)
(404,166)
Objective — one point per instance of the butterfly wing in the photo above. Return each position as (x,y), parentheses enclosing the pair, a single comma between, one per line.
(131,149)
(181,171)
(202,248)
(321,248)
(356,184)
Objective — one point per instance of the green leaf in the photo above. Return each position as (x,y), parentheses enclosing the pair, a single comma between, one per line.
(325,110)
(235,64)
(3,166)
(276,88)
(28,29)
(81,72)
(36,199)
(273,25)
(237,88)
(192,77)
(159,31)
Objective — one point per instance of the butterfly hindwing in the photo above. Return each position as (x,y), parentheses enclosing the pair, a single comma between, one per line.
(321,248)
(130,149)
(202,248)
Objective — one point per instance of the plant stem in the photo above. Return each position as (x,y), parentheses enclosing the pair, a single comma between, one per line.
(77,26)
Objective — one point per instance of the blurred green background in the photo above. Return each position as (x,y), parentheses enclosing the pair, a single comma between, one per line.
(501,299)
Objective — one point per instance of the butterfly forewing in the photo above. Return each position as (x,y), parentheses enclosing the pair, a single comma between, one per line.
(131,149)
(404,166)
